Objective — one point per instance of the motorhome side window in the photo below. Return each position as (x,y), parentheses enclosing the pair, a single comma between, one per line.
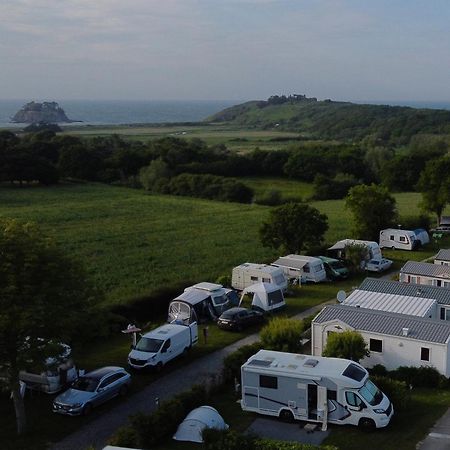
(268,382)
(254,278)
(266,280)
(376,345)
(352,399)
(402,239)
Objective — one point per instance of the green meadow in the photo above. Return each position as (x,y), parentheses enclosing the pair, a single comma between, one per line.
(132,242)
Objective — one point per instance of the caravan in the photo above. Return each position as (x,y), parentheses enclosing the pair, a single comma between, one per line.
(338,249)
(398,239)
(313,388)
(302,268)
(249,273)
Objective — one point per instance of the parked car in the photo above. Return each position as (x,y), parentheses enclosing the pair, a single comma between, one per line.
(334,268)
(91,390)
(378,265)
(239,318)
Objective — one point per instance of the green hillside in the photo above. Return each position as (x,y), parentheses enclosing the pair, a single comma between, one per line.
(336,120)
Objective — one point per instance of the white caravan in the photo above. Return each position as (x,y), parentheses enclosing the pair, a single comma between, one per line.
(302,268)
(398,239)
(314,389)
(159,346)
(249,273)
(373,249)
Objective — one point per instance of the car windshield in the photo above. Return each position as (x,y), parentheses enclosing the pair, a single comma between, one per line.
(85,384)
(371,393)
(149,345)
(229,314)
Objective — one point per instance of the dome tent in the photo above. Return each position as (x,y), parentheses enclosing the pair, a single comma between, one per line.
(266,296)
(196,421)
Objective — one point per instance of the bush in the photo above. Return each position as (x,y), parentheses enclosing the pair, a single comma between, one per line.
(397,391)
(270,198)
(282,334)
(413,222)
(224,280)
(378,370)
(233,362)
(347,345)
(419,376)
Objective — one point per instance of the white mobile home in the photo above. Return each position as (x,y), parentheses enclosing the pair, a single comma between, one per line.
(373,249)
(249,273)
(393,339)
(398,239)
(302,268)
(310,388)
(440,294)
(425,273)
(403,304)
(443,257)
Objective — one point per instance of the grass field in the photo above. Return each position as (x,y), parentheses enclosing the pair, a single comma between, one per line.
(132,242)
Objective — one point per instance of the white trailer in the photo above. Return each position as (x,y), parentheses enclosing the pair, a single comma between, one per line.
(302,268)
(398,239)
(157,347)
(248,274)
(373,249)
(314,389)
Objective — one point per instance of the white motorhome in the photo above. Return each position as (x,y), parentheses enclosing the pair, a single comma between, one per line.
(314,389)
(398,239)
(302,268)
(157,347)
(249,273)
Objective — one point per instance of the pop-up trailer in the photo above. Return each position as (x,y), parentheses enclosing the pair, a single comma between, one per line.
(313,389)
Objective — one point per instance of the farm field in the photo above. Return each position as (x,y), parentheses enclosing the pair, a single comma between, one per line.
(132,242)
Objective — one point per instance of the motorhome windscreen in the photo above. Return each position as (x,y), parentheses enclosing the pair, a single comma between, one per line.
(274,297)
(371,393)
(354,372)
(149,345)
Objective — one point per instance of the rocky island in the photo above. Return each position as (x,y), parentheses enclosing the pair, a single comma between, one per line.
(46,112)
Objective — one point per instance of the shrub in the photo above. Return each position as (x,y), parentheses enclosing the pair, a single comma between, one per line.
(378,370)
(413,222)
(233,362)
(419,376)
(282,334)
(270,198)
(397,391)
(347,344)
(126,436)
(224,280)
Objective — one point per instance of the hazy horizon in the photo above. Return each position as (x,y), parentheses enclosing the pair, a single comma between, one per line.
(235,50)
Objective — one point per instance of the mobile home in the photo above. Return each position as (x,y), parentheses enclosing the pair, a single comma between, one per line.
(398,239)
(443,257)
(249,273)
(302,268)
(312,388)
(425,273)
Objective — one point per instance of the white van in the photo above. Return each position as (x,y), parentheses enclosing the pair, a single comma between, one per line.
(302,268)
(398,239)
(159,346)
(314,389)
(249,273)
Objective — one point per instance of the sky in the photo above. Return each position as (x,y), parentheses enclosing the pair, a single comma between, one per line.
(225,49)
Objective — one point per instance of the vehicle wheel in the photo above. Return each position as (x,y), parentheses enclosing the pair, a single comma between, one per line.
(286,416)
(123,390)
(87,409)
(366,424)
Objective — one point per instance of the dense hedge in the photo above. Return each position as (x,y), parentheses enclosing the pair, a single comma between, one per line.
(233,362)
(397,391)
(282,334)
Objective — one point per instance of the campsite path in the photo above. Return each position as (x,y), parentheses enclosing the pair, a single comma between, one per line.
(199,371)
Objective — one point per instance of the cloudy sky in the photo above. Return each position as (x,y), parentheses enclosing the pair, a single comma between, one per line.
(225,49)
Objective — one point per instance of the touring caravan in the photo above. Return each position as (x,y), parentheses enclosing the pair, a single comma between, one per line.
(338,249)
(201,302)
(249,273)
(398,239)
(312,388)
(157,347)
(302,268)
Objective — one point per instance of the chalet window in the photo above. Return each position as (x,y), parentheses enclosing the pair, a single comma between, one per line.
(391,237)
(268,382)
(376,345)
(254,278)
(424,354)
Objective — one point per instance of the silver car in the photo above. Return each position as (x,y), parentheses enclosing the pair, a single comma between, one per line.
(92,389)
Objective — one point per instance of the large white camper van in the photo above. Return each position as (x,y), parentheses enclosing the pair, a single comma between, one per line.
(398,239)
(249,273)
(302,268)
(312,388)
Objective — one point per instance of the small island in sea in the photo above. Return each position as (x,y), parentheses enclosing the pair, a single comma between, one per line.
(34,112)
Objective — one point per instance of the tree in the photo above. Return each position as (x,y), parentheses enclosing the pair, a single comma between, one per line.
(347,345)
(294,227)
(373,209)
(44,296)
(434,184)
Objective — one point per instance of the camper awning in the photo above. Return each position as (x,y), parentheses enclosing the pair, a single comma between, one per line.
(261,288)
(193,296)
(291,263)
